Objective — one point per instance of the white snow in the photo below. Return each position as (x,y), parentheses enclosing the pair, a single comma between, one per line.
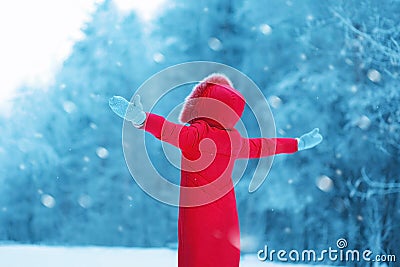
(43,256)
(374,75)
(48,201)
(85,201)
(69,106)
(275,101)
(324,183)
(265,29)
(102,152)
(363,122)
(158,57)
(215,44)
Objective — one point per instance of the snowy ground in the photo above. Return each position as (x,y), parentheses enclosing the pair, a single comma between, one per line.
(41,256)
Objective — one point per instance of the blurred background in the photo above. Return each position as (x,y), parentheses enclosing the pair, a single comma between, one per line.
(327,64)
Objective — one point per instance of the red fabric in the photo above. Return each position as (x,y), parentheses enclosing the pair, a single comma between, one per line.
(209,234)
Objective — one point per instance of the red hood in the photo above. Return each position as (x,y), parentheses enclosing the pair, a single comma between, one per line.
(215,101)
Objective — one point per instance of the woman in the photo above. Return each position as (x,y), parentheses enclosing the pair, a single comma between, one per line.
(208,225)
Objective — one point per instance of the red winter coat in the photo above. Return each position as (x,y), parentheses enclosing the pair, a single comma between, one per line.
(208,225)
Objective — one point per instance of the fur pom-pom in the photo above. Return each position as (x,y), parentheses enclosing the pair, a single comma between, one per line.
(218,78)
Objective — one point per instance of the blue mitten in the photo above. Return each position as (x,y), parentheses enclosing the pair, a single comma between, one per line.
(129,111)
(309,140)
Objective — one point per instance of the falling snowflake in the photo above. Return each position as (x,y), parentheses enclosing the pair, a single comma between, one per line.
(265,29)
(93,125)
(38,135)
(363,122)
(85,201)
(324,183)
(48,201)
(349,62)
(69,106)
(215,44)
(287,230)
(374,75)
(158,57)
(275,101)
(102,152)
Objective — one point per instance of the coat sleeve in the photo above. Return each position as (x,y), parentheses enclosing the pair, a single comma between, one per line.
(264,147)
(175,134)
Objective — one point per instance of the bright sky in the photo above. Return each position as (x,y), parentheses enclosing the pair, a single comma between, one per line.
(36,36)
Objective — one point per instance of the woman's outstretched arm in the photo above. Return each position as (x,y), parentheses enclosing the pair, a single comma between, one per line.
(264,147)
(175,134)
